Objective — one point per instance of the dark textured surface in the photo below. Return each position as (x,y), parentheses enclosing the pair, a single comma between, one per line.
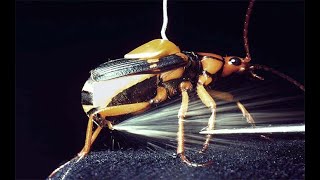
(244,157)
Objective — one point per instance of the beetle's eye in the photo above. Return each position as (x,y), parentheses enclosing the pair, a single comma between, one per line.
(235,61)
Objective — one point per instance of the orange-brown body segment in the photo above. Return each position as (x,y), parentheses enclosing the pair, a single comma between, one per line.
(211,65)
(173,74)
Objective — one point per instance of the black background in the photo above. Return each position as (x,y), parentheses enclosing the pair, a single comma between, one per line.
(57,43)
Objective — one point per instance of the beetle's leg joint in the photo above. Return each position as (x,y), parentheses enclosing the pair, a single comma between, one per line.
(101,121)
(161,96)
(186,86)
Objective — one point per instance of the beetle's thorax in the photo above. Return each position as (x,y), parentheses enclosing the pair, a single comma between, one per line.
(209,67)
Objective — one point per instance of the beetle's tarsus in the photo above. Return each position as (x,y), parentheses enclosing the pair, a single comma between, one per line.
(193,164)
(82,153)
(205,145)
(246,114)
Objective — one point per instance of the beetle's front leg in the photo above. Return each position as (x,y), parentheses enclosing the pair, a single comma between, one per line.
(229,98)
(246,114)
(209,102)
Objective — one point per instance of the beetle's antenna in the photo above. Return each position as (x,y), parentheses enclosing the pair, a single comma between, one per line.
(165,20)
(280,74)
(245,31)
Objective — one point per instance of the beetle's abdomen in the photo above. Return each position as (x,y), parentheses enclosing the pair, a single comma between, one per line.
(141,92)
(96,95)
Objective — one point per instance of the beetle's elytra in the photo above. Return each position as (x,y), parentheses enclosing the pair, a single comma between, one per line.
(154,73)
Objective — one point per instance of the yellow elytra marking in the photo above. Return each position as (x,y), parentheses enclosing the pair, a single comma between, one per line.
(153,50)
(152,60)
(153,66)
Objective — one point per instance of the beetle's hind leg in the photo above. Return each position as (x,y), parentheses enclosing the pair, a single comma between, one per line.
(100,117)
(181,115)
(90,137)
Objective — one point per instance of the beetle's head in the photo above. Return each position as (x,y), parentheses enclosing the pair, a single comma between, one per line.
(234,64)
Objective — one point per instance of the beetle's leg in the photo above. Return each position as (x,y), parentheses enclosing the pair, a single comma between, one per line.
(228,97)
(209,102)
(181,115)
(102,114)
(94,135)
(122,109)
(246,114)
(184,86)
(85,150)
(161,95)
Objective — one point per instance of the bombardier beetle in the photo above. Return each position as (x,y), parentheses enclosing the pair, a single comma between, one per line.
(154,73)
